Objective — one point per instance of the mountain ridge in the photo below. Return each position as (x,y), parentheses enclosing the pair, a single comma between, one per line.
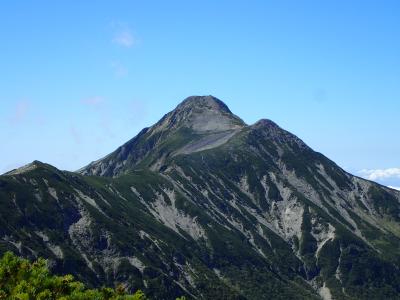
(223,210)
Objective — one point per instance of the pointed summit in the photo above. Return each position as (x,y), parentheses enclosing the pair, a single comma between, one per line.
(204,102)
(196,124)
(30,167)
(202,114)
(24,169)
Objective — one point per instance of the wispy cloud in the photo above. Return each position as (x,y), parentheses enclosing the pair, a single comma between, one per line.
(394,187)
(380,173)
(122,34)
(124,38)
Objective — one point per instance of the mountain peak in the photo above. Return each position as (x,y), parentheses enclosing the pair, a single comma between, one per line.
(26,168)
(202,114)
(265,123)
(197,123)
(204,102)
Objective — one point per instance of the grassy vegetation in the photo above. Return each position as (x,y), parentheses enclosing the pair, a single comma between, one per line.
(23,280)
(385,202)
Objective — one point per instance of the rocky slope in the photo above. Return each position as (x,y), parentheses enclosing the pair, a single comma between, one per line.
(198,123)
(204,205)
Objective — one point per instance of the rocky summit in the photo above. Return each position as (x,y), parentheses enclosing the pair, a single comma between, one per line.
(203,205)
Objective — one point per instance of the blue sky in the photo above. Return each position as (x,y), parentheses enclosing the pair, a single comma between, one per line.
(79,78)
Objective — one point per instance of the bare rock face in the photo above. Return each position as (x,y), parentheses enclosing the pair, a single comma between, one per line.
(198,123)
(202,114)
(23,169)
(206,114)
(26,168)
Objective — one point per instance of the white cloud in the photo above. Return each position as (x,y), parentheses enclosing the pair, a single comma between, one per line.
(380,173)
(122,34)
(124,38)
(395,188)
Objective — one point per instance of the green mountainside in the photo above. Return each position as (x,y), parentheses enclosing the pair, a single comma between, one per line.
(205,206)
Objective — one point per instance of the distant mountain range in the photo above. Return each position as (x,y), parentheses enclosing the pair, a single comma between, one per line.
(203,205)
